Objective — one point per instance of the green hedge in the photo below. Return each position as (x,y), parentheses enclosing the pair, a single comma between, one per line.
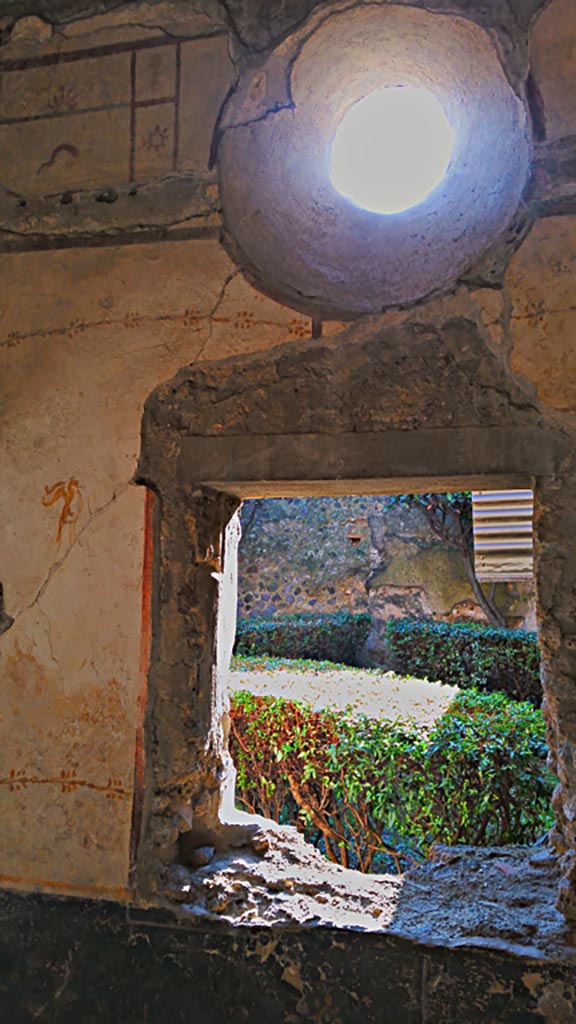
(370,793)
(326,637)
(467,655)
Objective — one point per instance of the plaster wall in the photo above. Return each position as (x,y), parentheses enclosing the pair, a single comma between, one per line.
(86,333)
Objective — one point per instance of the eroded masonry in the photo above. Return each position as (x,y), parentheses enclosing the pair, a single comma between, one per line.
(194,315)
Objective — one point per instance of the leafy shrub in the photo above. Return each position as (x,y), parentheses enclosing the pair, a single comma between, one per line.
(467,655)
(369,793)
(326,637)
(270,663)
(487,758)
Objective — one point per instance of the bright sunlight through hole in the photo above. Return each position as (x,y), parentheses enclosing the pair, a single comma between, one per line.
(391,149)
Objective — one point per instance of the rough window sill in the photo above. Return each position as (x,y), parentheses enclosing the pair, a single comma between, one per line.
(501,897)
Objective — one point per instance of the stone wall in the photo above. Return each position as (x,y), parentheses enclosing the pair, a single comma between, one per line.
(304,431)
(80,960)
(359,553)
(303,555)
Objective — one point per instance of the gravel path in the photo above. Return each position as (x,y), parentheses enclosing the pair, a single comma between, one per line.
(376,694)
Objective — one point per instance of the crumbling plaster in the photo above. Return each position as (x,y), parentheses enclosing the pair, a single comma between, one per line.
(116,278)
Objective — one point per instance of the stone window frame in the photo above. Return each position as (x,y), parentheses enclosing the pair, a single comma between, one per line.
(205,448)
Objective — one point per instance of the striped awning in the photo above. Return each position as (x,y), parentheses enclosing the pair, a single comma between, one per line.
(503,545)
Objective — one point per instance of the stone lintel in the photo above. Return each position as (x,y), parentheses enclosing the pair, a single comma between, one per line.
(383,462)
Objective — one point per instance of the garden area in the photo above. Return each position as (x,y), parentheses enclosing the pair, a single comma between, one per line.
(374,767)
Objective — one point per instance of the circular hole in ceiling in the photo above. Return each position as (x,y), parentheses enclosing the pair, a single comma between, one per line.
(391,149)
(335,246)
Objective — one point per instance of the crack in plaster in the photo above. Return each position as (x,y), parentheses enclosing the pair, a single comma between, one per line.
(505,393)
(181,177)
(49,639)
(167,189)
(112,232)
(318,18)
(289,105)
(86,227)
(66,974)
(231,276)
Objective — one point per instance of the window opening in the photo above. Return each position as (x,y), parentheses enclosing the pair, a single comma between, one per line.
(391,149)
(372,703)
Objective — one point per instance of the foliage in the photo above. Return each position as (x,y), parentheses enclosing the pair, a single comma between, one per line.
(270,663)
(449,513)
(487,756)
(370,793)
(467,655)
(336,637)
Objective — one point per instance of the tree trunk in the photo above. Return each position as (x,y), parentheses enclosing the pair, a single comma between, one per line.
(461,539)
(489,607)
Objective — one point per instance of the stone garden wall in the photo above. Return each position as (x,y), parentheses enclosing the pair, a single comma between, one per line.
(362,554)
